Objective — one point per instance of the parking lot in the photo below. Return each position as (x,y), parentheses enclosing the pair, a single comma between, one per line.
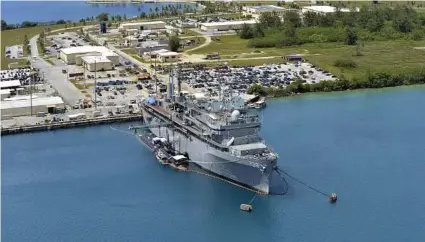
(23,75)
(64,40)
(276,75)
(14,51)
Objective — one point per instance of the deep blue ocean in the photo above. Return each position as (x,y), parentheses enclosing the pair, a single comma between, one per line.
(15,12)
(97,184)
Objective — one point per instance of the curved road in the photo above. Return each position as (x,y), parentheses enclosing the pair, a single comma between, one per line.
(207,42)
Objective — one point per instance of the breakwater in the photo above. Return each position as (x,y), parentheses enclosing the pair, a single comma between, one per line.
(70,124)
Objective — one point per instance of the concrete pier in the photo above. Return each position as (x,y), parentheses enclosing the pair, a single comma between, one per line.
(71,124)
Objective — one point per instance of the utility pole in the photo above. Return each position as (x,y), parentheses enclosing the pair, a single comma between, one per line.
(156,79)
(32,81)
(84,73)
(95,85)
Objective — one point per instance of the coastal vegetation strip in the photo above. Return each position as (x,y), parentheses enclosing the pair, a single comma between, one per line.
(376,80)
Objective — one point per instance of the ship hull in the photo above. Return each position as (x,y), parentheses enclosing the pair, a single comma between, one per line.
(249,173)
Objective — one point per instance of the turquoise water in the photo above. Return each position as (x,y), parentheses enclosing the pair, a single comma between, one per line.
(15,12)
(97,184)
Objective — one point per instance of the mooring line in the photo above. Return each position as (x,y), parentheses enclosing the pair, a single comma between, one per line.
(301,182)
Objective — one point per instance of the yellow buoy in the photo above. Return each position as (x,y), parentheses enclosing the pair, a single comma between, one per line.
(246,207)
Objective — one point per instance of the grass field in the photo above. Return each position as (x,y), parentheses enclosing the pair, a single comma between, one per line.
(16,36)
(201,41)
(384,56)
(188,32)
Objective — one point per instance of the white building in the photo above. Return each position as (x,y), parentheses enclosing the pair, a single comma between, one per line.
(256,11)
(168,56)
(10,84)
(153,54)
(173,30)
(22,107)
(228,25)
(74,55)
(325,9)
(97,63)
(5,93)
(131,41)
(143,25)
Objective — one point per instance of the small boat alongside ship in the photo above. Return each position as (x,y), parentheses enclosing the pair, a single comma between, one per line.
(166,155)
(260,104)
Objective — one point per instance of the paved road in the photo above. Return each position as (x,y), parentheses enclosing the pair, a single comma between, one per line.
(54,76)
(207,42)
(34,47)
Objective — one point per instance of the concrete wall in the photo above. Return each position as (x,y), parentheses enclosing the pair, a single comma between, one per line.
(223,27)
(146,26)
(165,59)
(114,59)
(106,66)
(25,111)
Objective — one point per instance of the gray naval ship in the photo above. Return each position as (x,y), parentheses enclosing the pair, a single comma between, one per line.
(215,134)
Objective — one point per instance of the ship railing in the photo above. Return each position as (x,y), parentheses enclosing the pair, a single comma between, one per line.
(264,157)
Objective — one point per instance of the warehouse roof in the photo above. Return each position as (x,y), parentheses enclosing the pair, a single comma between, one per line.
(159,51)
(267,7)
(327,9)
(45,101)
(142,23)
(87,49)
(5,91)
(168,53)
(92,59)
(229,23)
(9,84)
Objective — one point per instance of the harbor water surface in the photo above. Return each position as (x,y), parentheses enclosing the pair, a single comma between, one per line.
(16,12)
(100,184)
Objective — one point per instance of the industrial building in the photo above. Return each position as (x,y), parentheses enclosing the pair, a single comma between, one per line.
(150,46)
(74,55)
(152,54)
(97,63)
(161,55)
(228,25)
(256,11)
(143,25)
(169,56)
(22,107)
(5,93)
(325,9)
(10,84)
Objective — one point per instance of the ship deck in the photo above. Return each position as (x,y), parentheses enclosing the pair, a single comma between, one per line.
(179,125)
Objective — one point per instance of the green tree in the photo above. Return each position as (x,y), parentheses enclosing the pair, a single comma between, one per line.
(293,18)
(174,43)
(258,30)
(310,19)
(404,19)
(246,32)
(256,89)
(351,36)
(3,25)
(289,35)
(103,17)
(269,20)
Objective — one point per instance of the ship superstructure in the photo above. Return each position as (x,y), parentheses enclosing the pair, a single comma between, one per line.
(215,134)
